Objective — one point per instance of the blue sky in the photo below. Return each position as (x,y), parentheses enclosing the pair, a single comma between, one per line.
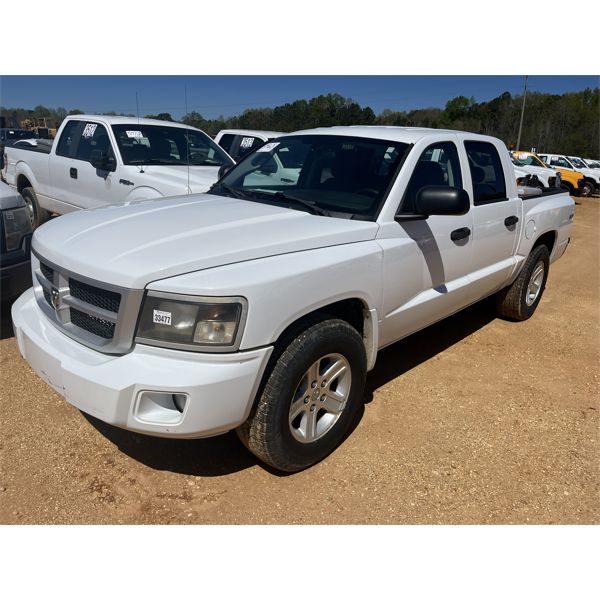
(229,95)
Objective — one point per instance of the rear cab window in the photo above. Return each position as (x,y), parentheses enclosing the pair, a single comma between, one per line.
(487,173)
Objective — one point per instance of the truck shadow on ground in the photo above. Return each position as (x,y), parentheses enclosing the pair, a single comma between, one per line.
(225,454)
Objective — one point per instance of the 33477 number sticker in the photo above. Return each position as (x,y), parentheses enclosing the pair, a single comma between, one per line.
(161,316)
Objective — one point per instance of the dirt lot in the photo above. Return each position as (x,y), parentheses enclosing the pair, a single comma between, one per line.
(474,420)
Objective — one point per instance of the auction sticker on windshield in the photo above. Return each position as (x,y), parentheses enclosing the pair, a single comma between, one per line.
(162,316)
(134,134)
(268,147)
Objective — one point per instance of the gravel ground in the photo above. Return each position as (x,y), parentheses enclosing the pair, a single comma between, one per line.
(474,420)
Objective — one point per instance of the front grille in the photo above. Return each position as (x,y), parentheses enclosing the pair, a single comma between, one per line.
(47,272)
(99,315)
(95,325)
(95,296)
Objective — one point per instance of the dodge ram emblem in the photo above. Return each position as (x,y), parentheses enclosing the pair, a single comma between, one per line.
(55,299)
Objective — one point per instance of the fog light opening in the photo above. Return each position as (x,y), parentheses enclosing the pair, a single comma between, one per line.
(179,401)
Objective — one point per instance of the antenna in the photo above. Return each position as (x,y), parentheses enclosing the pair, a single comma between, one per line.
(187,141)
(137,107)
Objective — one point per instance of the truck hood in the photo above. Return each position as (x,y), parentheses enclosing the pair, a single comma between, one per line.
(132,245)
(173,179)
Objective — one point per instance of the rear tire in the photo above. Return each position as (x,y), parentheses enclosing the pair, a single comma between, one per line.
(37,215)
(519,300)
(311,397)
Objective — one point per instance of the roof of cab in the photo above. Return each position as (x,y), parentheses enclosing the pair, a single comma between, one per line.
(408,135)
(116,120)
(255,132)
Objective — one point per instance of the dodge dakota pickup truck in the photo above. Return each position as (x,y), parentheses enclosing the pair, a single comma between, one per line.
(261,305)
(98,160)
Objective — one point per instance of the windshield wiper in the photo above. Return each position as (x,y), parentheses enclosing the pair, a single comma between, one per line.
(232,191)
(315,210)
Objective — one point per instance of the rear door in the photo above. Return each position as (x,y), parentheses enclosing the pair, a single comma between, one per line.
(496,218)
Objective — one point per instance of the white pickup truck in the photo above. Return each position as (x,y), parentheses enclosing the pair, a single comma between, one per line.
(98,160)
(592,176)
(262,305)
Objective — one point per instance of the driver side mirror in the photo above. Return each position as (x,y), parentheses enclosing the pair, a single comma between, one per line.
(438,200)
(101,159)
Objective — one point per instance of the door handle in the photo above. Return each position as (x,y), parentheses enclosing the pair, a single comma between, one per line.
(510,221)
(460,234)
(73,173)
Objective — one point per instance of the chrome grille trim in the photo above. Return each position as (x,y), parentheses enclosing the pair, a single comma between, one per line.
(124,320)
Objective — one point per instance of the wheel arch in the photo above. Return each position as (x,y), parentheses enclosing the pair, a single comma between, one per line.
(547,239)
(23,182)
(354,311)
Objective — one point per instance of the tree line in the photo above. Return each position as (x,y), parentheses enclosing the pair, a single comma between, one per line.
(564,123)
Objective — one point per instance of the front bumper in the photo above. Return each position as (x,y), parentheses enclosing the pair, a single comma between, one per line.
(133,391)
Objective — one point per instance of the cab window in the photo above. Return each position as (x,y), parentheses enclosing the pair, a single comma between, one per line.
(66,143)
(93,137)
(438,165)
(487,174)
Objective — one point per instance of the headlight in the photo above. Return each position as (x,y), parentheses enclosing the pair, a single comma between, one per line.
(192,322)
(16,226)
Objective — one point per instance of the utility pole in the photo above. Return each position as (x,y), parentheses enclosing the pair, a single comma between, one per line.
(522,113)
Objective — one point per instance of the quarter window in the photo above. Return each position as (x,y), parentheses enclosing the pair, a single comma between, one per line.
(487,174)
(226,141)
(67,138)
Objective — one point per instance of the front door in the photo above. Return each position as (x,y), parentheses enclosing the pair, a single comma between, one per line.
(426,262)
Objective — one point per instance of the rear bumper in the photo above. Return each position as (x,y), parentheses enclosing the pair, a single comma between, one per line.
(134,391)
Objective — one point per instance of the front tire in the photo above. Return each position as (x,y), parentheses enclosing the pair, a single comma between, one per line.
(586,189)
(519,300)
(567,187)
(311,397)
(37,215)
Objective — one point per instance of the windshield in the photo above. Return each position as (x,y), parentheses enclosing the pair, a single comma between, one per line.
(578,163)
(340,176)
(529,160)
(164,145)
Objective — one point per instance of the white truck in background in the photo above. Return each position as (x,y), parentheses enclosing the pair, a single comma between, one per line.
(546,177)
(97,160)
(591,176)
(261,305)
(239,142)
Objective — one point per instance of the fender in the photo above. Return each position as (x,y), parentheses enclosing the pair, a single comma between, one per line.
(143,192)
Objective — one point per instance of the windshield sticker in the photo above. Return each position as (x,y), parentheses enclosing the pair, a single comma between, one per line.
(161,316)
(246,142)
(134,134)
(268,147)
(89,130)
